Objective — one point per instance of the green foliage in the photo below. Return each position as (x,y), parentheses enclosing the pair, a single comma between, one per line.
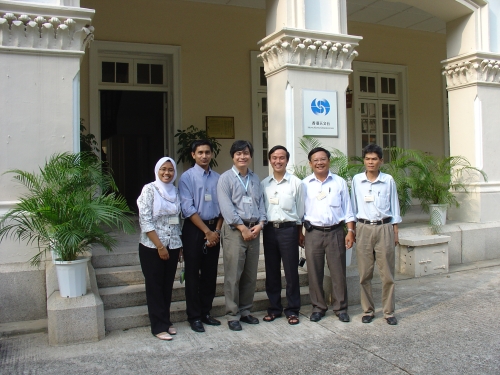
(339,162)
(69,205)
(436,178)
(88,141)
(186,137)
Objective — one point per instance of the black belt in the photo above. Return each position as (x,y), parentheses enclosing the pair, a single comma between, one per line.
(211,221)
(284,224)
(250,224)
(375,222)
(329,228)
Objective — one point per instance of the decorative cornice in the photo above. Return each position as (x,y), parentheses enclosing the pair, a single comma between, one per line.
(22,31)
(305,49)
(472,69)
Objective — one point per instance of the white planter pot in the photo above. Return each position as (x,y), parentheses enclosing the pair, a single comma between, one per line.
(438,214)
(72,277)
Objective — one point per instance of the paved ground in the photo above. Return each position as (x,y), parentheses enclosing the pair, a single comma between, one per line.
(448,325)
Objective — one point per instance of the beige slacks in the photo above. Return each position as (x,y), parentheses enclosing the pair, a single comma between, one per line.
(375,244)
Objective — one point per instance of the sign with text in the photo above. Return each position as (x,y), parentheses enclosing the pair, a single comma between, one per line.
(320,113)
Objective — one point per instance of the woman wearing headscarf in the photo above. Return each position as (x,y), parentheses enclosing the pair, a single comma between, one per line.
(160,244)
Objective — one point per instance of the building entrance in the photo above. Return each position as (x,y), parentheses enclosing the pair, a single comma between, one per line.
(132,137)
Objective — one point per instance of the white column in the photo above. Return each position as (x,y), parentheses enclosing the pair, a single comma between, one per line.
(473,84)
(308,49)
(41,47)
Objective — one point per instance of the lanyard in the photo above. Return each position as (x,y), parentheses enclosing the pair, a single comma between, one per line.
(239,178)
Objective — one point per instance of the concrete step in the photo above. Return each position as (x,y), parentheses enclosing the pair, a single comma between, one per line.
(130,275)
(135,295)
(124,256)
(137,316)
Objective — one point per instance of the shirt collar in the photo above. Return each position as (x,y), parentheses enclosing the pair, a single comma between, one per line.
(286,177)
(237,173)
(380,178)
(312,177)
(201,170)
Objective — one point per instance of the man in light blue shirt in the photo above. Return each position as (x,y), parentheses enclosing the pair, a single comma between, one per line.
(242,205)
(200,235)
(376,207)
(283,197)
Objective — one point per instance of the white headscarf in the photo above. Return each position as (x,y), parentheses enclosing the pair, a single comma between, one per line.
(166,200)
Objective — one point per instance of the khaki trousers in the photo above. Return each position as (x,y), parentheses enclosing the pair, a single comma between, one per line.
(241,259)
(375,243)
(319,244)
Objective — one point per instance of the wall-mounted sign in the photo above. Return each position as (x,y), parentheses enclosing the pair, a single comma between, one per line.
(220,127)
(320,113)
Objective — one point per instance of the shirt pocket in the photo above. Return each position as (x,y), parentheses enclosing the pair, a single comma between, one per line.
(335,200)
(286,202)
(382,202)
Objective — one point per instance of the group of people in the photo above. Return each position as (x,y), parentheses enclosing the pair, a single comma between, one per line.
(233,208)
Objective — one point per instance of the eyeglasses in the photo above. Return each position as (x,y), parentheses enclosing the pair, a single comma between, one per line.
(322,160)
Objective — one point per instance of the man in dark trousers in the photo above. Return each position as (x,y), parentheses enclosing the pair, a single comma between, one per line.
(376,207)
(200,235)
(327,208)
(284,200)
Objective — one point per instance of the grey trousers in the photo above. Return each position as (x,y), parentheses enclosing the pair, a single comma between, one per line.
(332,244)
(241,259)
(375,244)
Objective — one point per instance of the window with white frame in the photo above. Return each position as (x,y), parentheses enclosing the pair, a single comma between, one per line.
(380,102)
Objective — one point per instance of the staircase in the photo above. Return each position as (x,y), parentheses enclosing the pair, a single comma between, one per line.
(122,290)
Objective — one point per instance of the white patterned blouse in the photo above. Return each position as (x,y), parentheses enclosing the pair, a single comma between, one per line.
(169,234)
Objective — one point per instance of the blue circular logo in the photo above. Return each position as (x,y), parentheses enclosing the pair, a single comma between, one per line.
(320,107)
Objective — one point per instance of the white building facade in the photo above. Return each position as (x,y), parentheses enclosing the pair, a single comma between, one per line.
(411,73)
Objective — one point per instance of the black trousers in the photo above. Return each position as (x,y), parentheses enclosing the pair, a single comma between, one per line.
(159,275)
(200,270)
(281,244)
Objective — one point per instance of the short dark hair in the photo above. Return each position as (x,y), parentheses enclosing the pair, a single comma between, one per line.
(201,142)
(318,149)
(278,147)
(372,148)
(240,146)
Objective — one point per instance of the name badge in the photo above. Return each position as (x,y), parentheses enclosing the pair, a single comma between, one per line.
(247,199)
(274,200)
(173,220)
(321,195)
(369,198)
(208,197)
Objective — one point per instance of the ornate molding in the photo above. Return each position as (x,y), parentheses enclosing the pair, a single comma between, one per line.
(309,50)
(24,32)
(472,70)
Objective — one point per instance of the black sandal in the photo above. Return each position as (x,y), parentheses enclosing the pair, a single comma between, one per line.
(271,317)
(293,319)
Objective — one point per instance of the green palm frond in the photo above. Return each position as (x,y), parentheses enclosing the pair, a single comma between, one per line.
(67,207)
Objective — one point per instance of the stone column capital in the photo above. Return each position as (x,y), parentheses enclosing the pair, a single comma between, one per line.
(44,29)
(478,68)
(308,50)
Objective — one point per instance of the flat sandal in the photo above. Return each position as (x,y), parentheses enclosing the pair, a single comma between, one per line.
(271,317)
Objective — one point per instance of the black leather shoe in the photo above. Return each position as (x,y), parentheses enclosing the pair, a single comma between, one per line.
(316,316)
(392,321)
(234,325)
(367,318)
(249,319)
(197,326)
(210,321)
(344,317)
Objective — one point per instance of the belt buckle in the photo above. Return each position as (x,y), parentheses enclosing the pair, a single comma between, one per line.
(251,225)
(211,221)
(276,225)
(373,222)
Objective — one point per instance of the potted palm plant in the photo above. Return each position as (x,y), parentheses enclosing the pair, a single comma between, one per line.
(435,181)
(69,205)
